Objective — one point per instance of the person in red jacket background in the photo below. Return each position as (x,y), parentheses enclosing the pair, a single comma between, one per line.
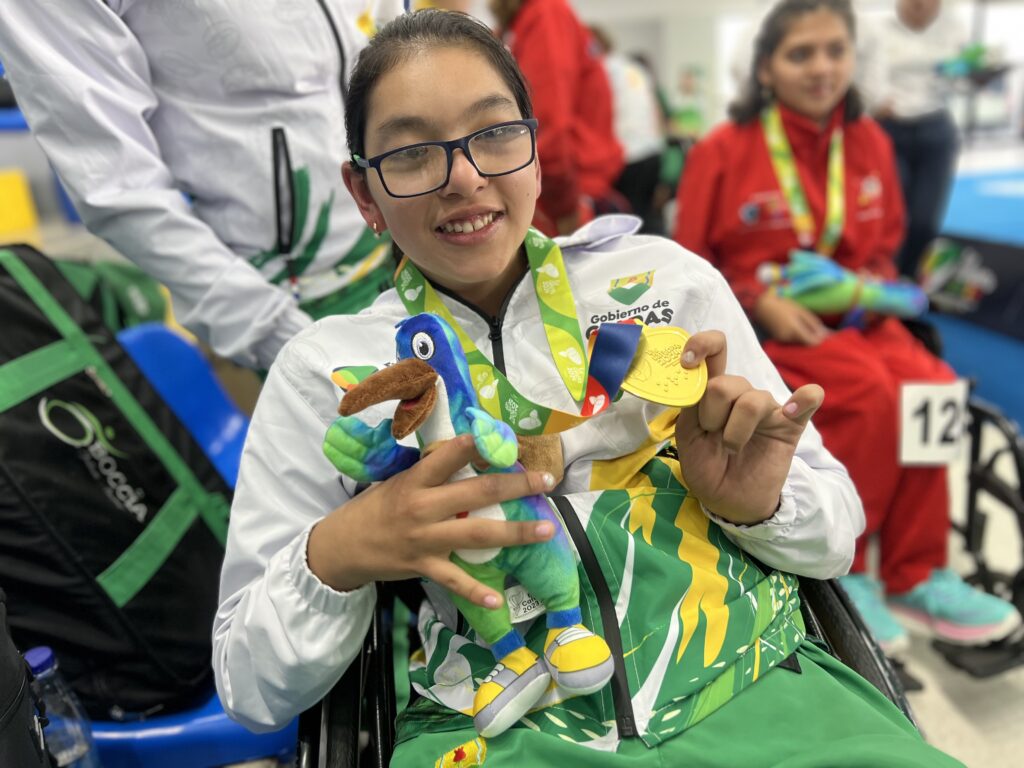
(733,210)
(580,157)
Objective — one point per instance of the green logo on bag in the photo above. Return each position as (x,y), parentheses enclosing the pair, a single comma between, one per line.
(75,425)
(626,290)
(85,429)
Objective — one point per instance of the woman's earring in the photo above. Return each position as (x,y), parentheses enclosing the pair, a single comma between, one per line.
(766,93)
(373,226)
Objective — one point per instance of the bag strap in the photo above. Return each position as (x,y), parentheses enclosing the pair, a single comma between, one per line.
(32,373)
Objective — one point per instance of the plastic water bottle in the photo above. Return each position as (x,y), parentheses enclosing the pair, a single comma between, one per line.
(68,735)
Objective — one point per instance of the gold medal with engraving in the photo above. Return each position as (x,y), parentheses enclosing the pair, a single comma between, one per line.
(657,373)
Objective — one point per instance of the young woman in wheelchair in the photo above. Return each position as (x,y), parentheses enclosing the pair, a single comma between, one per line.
(800,167)
(689,524)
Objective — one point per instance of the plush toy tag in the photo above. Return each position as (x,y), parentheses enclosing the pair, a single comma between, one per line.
(522,606)
(658,376)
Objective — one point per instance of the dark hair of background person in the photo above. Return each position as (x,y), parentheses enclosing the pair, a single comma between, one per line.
(753,98)
(412,34)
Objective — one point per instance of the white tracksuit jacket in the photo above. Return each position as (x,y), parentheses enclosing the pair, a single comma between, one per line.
(282,638)
(158,116)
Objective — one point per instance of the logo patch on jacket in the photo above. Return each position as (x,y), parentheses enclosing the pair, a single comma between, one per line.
(767,208)
(348,376)
(870,190)
(465,755)
(626,290)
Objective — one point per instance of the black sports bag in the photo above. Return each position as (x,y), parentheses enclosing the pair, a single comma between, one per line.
(112,520)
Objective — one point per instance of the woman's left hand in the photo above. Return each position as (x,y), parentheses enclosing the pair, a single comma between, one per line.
(737,444)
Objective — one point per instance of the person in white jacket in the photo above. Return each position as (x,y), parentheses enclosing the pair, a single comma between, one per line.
(696,626)
(203,139)
(905,90)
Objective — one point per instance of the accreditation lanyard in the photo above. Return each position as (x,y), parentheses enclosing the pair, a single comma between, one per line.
(593,386)
(789,180)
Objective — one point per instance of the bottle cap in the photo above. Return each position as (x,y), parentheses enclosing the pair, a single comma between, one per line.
(40,659)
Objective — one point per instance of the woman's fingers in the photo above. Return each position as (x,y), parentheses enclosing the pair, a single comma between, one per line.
(709,346)
(456,580)
(716,405)
(812,330)
(484,491)
(748,412)
(441,464)
(482,533)
(804,403)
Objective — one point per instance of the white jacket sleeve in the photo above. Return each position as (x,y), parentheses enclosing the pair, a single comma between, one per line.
(83,82)
(813,532)
(282,638)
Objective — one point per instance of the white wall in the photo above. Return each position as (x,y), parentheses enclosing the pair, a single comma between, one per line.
(680,33)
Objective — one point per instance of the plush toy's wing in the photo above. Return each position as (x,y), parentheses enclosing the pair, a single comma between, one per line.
(495,440)
(809,271)
(366,454)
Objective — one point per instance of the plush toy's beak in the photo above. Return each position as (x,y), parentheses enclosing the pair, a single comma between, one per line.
(411,381)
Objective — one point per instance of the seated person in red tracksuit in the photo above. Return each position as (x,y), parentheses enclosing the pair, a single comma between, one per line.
(572,99)
(733,210)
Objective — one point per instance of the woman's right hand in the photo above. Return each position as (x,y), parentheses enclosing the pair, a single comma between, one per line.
(406,526)
(788,322)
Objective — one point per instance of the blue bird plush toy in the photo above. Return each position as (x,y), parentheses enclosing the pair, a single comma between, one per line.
(437,401)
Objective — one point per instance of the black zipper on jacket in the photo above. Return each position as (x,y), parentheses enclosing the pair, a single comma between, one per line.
(284,204)
(284,192)
(494,324)
(341,49)
(610,622)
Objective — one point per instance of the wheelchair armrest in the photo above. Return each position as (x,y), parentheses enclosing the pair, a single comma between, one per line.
(834,617)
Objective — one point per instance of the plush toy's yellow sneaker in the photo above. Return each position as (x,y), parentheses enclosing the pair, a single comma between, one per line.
(580,661)
(508,693)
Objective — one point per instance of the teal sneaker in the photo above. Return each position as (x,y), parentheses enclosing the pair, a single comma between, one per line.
(947,607)
(866,593)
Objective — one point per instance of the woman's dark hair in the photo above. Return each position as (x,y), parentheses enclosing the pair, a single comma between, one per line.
(410,35)
(753,99)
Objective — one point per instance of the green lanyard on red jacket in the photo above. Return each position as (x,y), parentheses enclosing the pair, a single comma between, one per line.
(789,181)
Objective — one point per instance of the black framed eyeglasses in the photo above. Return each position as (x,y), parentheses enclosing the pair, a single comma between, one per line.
(419,169)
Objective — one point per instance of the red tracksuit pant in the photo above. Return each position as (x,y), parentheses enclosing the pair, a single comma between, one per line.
(861,372)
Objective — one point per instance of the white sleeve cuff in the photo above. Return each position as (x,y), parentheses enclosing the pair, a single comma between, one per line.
(314,593)
(775,527)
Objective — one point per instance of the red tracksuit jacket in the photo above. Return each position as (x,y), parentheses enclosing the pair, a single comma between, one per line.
(732,212)
(579,154)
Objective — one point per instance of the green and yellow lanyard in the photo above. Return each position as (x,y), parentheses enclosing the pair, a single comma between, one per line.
(593,383)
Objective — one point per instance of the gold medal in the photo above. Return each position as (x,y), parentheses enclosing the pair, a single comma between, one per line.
(657,373)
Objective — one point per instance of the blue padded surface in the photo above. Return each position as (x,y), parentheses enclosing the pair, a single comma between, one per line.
(178,371)
(988,206)
(200,738)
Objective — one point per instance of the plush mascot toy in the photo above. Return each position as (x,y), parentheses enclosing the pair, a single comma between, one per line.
(826,288)
(437,401)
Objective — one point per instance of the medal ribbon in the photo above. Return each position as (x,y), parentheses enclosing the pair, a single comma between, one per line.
(789,181)
(596,385)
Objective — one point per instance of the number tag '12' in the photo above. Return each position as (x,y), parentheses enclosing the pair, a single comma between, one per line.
(932,423)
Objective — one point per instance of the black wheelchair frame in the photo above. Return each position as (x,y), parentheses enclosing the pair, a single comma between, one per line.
(982,479)
(363,700)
